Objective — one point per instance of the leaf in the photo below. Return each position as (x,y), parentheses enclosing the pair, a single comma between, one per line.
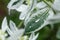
(54,19)
(58,33)
(12,25)
(4,24)
(41,5)
(56,5)
(36,20)
(29,9)
(12,6)
(44,33)
(33,36)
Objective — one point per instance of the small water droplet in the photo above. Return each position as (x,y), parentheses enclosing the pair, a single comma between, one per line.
(37,20)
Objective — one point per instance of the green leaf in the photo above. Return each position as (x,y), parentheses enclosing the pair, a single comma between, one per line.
(58,33)
(36,20)
(44,33)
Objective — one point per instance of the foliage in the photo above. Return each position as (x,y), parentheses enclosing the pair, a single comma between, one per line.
(33,20)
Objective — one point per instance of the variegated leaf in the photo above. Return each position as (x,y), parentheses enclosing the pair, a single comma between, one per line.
(36,20)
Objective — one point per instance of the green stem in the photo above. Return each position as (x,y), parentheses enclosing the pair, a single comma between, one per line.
(49,5)
(20,24)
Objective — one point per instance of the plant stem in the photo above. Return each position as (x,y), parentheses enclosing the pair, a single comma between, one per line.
(20,24)
(49,5)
